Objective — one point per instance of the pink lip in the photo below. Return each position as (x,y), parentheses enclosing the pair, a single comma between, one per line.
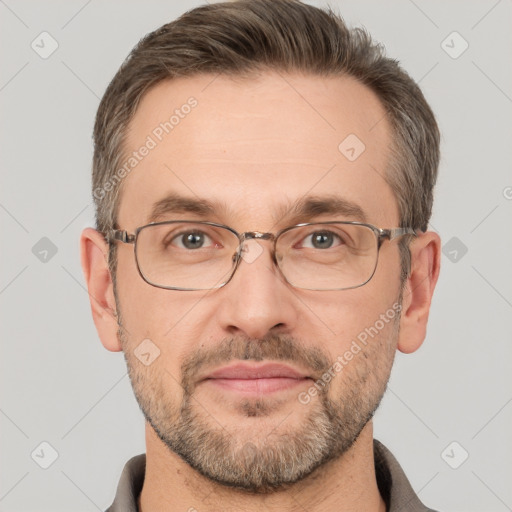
(262,371)
(256,379)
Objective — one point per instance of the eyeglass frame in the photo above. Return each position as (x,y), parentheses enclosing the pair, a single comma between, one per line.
(381,235)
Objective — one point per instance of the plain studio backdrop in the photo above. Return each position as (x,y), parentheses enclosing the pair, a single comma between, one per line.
(66,403)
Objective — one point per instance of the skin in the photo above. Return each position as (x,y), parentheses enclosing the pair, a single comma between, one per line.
(256,144)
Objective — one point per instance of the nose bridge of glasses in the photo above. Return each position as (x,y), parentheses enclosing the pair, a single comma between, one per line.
(256,235)
(250,255)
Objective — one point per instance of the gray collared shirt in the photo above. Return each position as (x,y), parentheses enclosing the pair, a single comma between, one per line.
(394,487)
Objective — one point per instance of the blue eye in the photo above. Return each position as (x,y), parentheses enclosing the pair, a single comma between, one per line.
(321,240)
(191,240)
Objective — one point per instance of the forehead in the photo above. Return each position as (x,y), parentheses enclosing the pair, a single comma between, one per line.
(255,147)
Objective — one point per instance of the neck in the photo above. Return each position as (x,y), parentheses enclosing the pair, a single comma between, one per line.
(347,483)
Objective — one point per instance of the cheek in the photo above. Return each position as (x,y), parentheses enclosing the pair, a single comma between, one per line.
(156,386)
(339,317)
(363,363)
(386,279)
(168,318)
(143,307)
(360,327)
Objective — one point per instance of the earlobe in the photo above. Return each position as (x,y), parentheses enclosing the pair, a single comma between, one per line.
(418,290)
(94,253)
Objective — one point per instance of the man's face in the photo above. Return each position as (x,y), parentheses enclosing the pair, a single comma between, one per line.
(255,147)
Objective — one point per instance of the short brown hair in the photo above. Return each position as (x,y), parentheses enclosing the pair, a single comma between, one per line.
(246,37)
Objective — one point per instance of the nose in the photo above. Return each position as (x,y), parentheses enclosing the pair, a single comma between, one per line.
(257,299)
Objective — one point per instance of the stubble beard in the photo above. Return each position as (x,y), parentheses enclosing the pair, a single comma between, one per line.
(264,462)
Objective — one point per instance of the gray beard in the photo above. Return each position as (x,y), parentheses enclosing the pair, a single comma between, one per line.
(275,462)
(264,464)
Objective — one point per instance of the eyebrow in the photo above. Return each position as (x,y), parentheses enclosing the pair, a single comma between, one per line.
(309,207)
(300,210)
(174,203)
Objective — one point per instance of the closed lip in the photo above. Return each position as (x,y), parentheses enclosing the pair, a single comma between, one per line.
(251,371)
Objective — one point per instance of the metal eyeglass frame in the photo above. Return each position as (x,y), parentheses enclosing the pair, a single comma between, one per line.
(380,234)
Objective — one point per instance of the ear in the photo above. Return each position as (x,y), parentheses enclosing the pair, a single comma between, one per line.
(94,256)
(419,288)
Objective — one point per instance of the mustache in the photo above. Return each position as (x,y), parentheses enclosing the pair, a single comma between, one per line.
(272,347)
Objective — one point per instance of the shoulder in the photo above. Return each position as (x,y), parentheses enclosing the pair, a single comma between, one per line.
(130,485)
(393,484)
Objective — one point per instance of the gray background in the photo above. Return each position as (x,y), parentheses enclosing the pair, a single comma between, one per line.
(59,385)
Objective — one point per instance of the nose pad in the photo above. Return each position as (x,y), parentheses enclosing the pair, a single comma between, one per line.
(251,251)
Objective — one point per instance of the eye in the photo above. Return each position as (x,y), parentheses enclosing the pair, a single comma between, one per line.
(190,240)
(321,240)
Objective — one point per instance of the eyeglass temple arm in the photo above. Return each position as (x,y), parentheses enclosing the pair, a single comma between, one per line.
(121,236)
(393,233)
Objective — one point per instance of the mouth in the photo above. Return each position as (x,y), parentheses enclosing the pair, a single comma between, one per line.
(256,379)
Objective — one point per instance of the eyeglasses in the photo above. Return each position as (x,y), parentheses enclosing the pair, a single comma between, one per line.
(191,255)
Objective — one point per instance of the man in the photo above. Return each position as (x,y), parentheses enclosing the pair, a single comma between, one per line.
(263,179)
